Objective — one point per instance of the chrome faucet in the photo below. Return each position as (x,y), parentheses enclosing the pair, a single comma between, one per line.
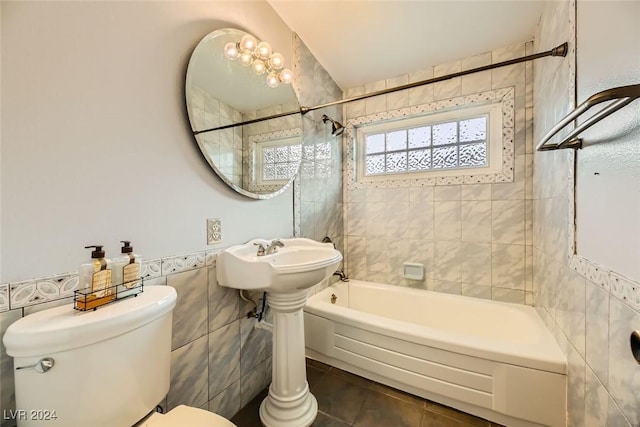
(261,249)
(273,247)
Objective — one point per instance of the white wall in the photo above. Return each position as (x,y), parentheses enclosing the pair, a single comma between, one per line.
(96,145)
(608,168)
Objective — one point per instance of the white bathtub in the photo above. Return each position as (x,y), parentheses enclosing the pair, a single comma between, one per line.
(491,359)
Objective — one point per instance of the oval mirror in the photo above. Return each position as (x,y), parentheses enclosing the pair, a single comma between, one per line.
(260,159)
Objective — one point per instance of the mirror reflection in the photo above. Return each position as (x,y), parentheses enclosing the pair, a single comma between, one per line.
(259,159)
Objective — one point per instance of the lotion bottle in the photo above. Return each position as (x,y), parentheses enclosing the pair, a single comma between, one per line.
(126,271)
(94,280)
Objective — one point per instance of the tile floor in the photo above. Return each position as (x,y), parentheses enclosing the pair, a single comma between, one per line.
(345,399)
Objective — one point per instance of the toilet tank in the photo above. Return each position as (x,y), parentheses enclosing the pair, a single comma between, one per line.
(111,366)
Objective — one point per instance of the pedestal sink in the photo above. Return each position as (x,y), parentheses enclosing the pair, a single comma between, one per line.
(286,275)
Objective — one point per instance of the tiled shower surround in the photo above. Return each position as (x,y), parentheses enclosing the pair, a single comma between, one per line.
(318,187)
(590,309)
(473,239)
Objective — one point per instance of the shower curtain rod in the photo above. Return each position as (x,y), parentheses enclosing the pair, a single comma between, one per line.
(556,51)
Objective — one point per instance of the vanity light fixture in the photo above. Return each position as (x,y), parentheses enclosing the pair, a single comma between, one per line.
(261,58)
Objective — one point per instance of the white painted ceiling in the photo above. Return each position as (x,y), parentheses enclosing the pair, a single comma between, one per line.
(362,41)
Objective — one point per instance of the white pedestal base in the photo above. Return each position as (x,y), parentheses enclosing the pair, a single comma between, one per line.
(289,403)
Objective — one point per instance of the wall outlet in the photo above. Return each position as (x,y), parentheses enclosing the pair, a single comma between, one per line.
(214,231)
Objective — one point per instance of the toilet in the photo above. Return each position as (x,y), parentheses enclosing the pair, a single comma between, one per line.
(104,368)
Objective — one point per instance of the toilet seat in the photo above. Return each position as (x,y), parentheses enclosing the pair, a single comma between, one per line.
(182,416)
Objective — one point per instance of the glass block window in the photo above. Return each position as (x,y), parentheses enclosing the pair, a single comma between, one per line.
(280,160)
(452,144)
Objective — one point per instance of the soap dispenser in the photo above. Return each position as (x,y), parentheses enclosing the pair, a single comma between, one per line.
(94,281)
(126,271)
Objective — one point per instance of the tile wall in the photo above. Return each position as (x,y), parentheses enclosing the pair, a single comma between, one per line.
(318,188)
(590,310)
(219,361)
(474,239)
(224,147)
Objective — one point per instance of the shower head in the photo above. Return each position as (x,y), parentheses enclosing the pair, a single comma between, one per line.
(336,127)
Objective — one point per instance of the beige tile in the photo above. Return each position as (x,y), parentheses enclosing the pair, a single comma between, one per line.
(421,94)
(475,83)
(512,190)
(508,52)
(513,296)
(476,61)
(447,220)
(223,304)
(596,401)
(356,254)
(377,259)
(597,330)
(447,193)
(189,373)
(190,316)
(476,263)
(476,291)
(476,192)
(447,261)
(224,357)
(420,224)
(624,375)
(476,221)
(377,104)
(507,266)
(227,402)
(421,194)
(508,221)
(399,99)
(252,384)
(376,219)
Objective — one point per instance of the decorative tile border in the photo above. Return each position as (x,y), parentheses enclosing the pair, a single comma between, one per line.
(178,264)
(505,96)
(151,269)
(36,291)
(4,298)
(210,257)
(51,288)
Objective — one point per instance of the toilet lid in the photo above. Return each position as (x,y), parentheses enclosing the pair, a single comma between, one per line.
(182,416)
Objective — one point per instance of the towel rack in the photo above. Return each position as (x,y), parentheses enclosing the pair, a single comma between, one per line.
(621,96)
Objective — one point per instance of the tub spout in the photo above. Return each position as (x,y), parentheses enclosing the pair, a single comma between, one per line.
(343,277)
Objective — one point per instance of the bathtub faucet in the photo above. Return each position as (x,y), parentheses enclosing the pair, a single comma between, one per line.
(343,277)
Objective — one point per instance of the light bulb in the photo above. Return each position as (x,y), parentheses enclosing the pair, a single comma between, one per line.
(259,67)
(231,51)
(276,61)
(248,43)
(264,50)
(286,76)
(272,80)
(246,58)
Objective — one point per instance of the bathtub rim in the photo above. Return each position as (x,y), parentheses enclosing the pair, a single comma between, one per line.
(549,359)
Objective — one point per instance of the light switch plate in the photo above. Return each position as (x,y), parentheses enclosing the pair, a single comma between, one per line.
(214,231)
